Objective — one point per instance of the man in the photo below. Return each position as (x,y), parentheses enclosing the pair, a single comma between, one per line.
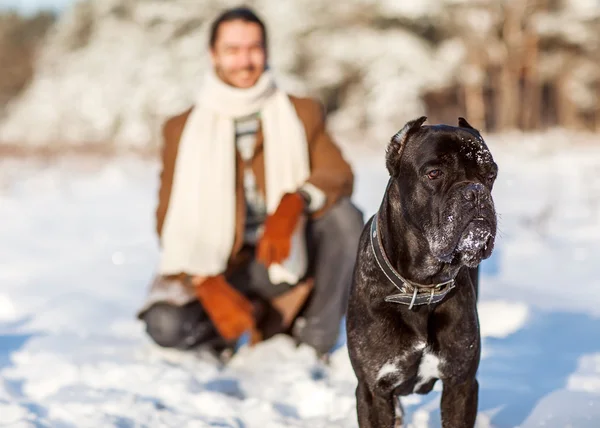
(256,227)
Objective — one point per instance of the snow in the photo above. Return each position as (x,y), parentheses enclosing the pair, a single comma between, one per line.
(78,251)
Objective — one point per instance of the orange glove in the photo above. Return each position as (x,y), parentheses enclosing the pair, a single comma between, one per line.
(275,244)
(230,311)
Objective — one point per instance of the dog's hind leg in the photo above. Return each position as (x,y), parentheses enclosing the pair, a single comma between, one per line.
(459,404)
(399,411)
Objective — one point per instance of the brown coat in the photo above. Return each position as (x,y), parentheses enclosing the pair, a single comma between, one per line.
(329,171)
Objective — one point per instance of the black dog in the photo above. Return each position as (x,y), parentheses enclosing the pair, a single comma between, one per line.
(412,314)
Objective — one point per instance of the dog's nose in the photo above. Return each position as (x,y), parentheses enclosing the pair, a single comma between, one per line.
(472,191)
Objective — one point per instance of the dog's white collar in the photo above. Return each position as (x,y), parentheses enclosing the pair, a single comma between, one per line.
(409,291)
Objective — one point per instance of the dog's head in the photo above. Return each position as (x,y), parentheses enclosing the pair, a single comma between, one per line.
(445,176)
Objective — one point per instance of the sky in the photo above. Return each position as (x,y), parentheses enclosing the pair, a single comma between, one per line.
(27,7)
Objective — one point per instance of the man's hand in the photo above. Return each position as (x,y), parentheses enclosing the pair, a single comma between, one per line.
(229,310)
(275,243)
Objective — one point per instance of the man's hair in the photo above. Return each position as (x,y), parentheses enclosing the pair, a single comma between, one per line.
(242,13)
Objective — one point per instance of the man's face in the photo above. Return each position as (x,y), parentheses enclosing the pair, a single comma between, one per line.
(239,54)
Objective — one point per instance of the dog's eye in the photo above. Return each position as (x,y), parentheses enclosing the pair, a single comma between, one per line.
(435,173)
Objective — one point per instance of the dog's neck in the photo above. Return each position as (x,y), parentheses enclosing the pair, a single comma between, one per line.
(414,262)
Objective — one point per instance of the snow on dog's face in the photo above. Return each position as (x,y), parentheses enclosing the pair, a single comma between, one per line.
(445,175)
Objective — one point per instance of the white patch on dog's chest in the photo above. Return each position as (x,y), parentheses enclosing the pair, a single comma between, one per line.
(428,369)
(389,368)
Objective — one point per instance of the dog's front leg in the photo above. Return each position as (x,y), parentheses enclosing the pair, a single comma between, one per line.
(459,404)
(374,410)
(364,404)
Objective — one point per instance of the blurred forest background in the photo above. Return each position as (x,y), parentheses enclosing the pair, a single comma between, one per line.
(105,73)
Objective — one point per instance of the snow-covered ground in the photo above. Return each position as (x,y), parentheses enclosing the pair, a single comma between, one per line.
(77,251)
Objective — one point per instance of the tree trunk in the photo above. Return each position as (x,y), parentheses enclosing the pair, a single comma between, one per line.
(597,122)
(508,110)
(532,91)
(512,66)
(475,105)
(566,109)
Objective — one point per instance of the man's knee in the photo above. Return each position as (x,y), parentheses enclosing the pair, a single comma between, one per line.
(164,324)
(321,337)
(177,327)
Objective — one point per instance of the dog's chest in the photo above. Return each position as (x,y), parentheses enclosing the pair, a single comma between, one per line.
(417,368)
(429,369)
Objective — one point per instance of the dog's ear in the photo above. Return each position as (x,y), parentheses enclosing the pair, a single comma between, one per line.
(396,146)
(462,123)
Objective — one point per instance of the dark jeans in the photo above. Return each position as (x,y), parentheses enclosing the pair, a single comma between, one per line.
(332,241)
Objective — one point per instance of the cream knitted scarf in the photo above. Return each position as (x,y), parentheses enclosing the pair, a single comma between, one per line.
(199,228)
